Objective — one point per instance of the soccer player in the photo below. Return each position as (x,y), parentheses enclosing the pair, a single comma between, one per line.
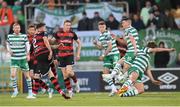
(66,55)
(43,53)
(33,62)
(136,72)
(31,32)
(18,47)
(111,55)
(133,47)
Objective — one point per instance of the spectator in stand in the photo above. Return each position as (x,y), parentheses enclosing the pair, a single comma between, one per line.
(83,24)
(1,1)
(72,1)
(112,23)
(38,1)
(161,59)
(157,15)
(21,17)
(16,7)
(154,8)
(164,4)
(177,15)
(152,22)
(51,4)
(6,19)
(95,20)
(84,1)
(151,28)
(178,61)
(169,20)
(137,22)
(145,12)
(159,19)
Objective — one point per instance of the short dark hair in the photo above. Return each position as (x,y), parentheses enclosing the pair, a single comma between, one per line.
(16,24)
(101,23)
(40,25)
(161,42)
(111,15)
(96,12)
(151,44)
(67,21)
(125,18)
(31,26)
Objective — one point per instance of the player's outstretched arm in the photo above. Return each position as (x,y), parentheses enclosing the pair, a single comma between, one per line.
(161,49)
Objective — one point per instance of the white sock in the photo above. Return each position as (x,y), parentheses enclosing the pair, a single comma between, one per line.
(113,87)
(117,69)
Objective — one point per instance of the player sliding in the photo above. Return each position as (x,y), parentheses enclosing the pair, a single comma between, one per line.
(136,72)
(111,55)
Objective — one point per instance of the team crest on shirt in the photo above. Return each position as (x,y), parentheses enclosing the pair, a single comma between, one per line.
(129,58)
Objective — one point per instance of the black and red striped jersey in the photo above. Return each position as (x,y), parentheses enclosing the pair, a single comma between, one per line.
(67,39)
(30,38)
(39,45)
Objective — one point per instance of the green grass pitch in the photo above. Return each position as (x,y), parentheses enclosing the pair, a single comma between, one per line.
(95,99)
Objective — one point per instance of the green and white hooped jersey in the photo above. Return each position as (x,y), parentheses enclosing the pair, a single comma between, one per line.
(131,31)
(142,60)
(17,44)
(104,39)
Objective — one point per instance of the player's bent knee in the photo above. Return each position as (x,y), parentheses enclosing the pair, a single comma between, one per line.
(133,76)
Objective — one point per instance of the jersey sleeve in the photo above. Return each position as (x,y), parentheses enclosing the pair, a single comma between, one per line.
(75,36)
(45,34)
(108,38)
(26,38)
(8,39)
(55,35)
(147,50)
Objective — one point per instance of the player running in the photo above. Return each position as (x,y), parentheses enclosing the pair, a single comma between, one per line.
(66,37)
(111,55)
(33,63)
(18,47)
(43,54)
